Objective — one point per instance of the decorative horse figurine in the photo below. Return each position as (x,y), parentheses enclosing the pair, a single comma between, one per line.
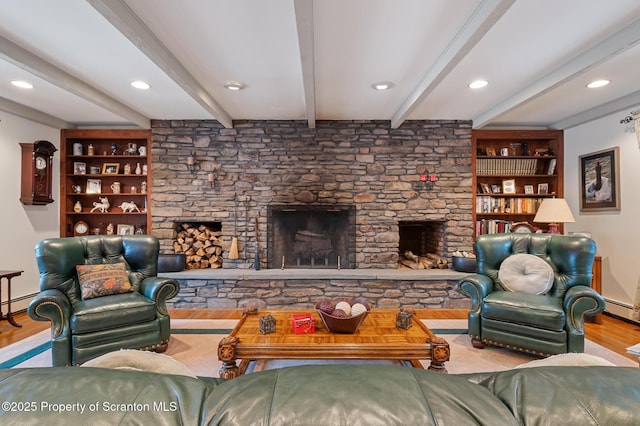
(103,205)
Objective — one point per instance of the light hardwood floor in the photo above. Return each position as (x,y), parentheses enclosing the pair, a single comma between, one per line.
(612,333)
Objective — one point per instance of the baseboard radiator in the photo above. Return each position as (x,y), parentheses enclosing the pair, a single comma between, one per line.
(620,309)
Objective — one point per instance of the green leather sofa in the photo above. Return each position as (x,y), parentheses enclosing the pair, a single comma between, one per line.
(542,324)
(352,395)
(84,329)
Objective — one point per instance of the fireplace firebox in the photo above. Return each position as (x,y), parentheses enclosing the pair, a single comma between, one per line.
(311,236)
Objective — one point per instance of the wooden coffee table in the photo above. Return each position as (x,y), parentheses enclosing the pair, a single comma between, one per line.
(376,339)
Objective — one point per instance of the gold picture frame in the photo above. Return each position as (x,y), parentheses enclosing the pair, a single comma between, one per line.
(110,168)
(509,186)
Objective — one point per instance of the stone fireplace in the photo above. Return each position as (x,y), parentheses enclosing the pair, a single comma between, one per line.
(311,236)
(423,236)
(344,188)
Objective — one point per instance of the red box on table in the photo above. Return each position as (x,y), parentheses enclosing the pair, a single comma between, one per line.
(303,323)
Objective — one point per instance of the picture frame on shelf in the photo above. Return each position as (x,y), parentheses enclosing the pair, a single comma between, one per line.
(599,180)
(509,186)
(124,229)
(491,152)
(486,189)
(495,188)
(110,168)
(543,188)
(528,189)
(94,186)
(79,168)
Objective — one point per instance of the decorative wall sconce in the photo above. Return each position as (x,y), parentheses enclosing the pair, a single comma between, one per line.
(426,182)
(192,164)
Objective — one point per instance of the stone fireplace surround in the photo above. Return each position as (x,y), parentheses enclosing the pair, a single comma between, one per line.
(365,164)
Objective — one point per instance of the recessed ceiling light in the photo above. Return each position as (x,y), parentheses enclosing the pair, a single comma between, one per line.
(234,85)
(382,85)
(478,84)
(22,84)
(138,84)
(598,83)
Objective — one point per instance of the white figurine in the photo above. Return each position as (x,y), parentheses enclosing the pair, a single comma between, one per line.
(103,205)
(129,207)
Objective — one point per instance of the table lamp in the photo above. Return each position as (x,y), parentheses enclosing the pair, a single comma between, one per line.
(554,211)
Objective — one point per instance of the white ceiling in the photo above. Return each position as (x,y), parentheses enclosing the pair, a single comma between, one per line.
(316,60)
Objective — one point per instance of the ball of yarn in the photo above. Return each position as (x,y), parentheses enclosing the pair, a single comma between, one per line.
(357,309)
(345,307)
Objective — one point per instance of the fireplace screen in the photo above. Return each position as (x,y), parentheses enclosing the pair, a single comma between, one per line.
(311,236)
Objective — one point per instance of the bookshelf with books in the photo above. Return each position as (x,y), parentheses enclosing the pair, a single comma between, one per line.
(513,172)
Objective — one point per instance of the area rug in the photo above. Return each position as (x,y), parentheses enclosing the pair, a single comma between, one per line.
(194,343)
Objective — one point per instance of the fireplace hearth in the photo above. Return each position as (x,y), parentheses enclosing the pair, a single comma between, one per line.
(311,236)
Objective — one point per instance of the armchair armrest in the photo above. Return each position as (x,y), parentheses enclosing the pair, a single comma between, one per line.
(578,301)
(477,287)
(159,290)
(52,305)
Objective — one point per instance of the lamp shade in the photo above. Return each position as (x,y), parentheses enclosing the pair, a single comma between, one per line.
(554,210)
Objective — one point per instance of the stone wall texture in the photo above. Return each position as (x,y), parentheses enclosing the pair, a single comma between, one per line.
(364,163)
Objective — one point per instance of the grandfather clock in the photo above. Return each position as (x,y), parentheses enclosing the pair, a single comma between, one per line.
(36,181)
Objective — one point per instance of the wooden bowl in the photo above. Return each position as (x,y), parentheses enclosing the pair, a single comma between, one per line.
(341,325)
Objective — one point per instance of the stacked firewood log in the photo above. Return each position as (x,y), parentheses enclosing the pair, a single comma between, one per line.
(201,245)
(408,260)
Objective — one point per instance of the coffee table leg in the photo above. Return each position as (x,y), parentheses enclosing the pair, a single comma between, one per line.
(439,354)
(227,354)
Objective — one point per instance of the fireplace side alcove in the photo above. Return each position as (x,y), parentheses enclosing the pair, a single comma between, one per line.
(311,236)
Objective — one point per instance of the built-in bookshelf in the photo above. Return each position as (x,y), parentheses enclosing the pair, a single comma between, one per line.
(514,171)
(105,182)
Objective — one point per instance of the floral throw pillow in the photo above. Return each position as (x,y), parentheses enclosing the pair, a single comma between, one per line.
(103,280)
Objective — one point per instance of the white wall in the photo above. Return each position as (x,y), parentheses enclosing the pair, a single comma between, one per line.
(616,233)
(23,226)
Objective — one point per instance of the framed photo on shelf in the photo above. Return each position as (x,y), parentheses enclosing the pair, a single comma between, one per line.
(543,188)
(599,185)
(125,229)
(79,168)
(528,189)
(491,152)
(110,168)
(495,188)
(509,186)
(94,186)
(486,189)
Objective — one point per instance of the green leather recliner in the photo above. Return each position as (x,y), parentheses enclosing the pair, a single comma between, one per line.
(544,324)
(84,329)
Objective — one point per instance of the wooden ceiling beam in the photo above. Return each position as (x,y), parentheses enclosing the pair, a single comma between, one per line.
(132,27)
(483,18)
(623,40)
(306,43)
(34,64)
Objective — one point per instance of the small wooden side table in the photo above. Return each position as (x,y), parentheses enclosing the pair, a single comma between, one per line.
(596,284)
(9,316)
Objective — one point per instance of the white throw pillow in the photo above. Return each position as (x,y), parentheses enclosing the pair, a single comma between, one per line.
(526,273)
(131,359)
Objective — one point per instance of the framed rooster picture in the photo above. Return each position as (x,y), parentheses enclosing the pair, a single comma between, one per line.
(599,180)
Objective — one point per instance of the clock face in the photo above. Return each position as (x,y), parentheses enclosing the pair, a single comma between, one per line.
(522,228)
(41,163)
(81,228)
